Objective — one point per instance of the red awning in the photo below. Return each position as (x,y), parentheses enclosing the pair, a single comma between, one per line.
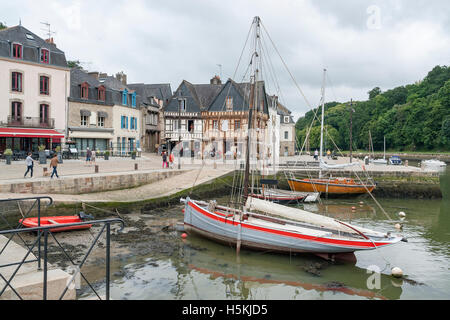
(29,133)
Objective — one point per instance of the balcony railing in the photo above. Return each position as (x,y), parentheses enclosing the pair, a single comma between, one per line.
(30,122)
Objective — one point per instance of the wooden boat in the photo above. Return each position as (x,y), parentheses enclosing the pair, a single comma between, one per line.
(285,196)
(302,231)
(263,225)
(330,186)
(56,220)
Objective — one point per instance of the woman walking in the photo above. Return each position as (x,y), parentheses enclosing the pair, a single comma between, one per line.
(29,162)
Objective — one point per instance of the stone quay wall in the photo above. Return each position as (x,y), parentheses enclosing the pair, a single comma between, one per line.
(87,183)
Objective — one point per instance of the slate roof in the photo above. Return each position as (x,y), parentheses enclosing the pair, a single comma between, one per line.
(31,45)
(160,91)
(113,88)
(240,92)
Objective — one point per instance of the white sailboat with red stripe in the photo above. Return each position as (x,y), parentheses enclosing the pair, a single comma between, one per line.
(263,225)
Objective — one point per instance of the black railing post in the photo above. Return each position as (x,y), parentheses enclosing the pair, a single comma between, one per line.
(39,233)
(44,296)
(108,242)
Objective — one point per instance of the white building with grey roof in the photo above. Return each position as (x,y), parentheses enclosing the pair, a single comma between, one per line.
(34,86)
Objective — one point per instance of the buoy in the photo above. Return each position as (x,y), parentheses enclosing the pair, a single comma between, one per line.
(184,235)
(361,202)
(353,208)
(398,226)
(402,214)
(397,272)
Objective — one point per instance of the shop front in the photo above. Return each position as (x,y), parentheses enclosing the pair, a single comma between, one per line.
(28,140)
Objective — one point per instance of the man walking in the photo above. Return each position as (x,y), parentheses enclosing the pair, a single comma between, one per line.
(54,165)
(88,155)
(29,162)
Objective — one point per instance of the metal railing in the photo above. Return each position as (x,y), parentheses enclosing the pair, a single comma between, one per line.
(31,122)
(43,232)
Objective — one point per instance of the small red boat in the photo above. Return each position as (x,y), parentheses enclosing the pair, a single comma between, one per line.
(57,220)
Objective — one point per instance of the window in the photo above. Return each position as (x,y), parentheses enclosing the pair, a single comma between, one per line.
(229,103)
(44,85)
(84,90)
(182,105)
(237,124)
(16,82)
(101,93)
(45,54)
(133,100)
(124,97)
(17,51)
(191,126)
(43,114)
(84,121)
(132,123)
(286,119)
(16,111)
(286,135)
(101,122)
(122,122)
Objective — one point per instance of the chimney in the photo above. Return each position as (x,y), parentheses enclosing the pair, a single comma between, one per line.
(50,40)
(215,80)
(102,75)
(122,77)
(94,74)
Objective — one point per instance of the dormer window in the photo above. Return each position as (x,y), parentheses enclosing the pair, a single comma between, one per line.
(229,103)
(84,90)
(17,51)
(133,99)
(124,97)
(286,119)
(45,56)
(101,93)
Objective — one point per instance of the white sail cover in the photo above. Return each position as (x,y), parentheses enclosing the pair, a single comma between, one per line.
(324,165)
(302,216)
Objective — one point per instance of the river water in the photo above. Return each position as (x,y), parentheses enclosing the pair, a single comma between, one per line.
(201,269)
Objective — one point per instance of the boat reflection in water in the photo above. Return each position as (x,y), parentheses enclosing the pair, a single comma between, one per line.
(253,275)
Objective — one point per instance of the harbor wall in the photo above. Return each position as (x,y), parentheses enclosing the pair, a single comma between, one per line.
(87,183)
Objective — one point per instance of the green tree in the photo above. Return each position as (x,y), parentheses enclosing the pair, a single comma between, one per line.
(74,64)
(2,26)
(374,92)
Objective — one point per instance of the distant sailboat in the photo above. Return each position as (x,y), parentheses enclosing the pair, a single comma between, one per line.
(329,185)
(379,161)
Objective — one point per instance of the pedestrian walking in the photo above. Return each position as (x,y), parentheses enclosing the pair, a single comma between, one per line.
(54,165)
(316,155)
(164,159)
(93,154)
(171,160)
(29,162)
(88,155)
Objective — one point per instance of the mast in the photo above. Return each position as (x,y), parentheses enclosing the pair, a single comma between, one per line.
(321,128)
(253,83)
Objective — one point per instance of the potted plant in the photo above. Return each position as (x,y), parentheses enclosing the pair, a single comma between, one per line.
(133,154)
(42,156)
(106,155)
(58,152)
(8,154)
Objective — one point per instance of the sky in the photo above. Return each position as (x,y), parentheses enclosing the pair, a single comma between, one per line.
(362,43)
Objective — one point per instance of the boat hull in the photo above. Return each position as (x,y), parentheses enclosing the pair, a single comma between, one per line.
(318,185)
(57,220)
(224,229)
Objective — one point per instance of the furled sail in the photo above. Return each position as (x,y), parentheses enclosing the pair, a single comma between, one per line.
(303,216)
(325,166)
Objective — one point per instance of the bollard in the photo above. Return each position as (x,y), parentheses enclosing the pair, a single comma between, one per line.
(135,166)
(96,168)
